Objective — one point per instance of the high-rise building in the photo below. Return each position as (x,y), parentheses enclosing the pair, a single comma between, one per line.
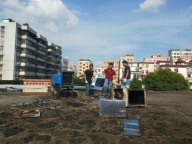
(146,67)
(83,65)
(115,67)
(156,58)
(184,54)
(98,71)
(25,54)
(64,64)
(130,59)
(73,67)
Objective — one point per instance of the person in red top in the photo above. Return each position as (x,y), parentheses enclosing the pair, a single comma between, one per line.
(109,75)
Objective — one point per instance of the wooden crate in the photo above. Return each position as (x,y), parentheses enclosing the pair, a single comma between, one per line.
(135,97)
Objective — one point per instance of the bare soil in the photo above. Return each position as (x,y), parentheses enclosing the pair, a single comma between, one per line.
(167,119)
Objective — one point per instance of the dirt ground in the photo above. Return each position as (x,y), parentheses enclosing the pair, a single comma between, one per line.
(167,119)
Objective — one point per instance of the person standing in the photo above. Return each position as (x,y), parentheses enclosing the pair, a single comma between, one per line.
(127,73)
(109,75)
(88,76)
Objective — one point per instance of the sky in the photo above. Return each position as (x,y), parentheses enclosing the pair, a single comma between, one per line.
(106,29)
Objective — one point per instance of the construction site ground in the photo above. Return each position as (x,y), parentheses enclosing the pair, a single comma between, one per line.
(167,119)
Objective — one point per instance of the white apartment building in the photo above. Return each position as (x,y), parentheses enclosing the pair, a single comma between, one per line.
(64,63)
(83,65)
(98,71)
(24,54)
(180,67)
(184,54)
(130,58)
(115,67)
(146,67)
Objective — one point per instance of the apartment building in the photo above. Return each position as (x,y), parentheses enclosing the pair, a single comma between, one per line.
(184,54)
(130,58)
(83,65)
(146,67)
(64,64)
(180,67)
(98,71)
(73,68)
(115,67)
(25,54)
(156,58)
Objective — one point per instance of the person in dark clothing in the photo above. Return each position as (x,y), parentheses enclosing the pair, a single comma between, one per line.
(127,74)
(88,76)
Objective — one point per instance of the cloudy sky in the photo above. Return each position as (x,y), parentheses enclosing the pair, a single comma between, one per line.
(106,29)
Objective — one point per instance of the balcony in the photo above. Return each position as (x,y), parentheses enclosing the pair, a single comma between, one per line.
(50,62)
(49,74)
(40,74)
(50,68)
(41,52)
(23,73)
(40,44)
(29,38)
(50,50)
(1,52)
(28,47)
(40,66)
(27,55)
(27,64)
(41,59)
(53,60)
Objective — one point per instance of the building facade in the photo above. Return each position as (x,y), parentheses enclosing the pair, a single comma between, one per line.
(83,65)
(184,54)
(73,68)
(64,63)
(98,71)
(146,67)
(25,54)
(129,58)
(156,58)
(115,67)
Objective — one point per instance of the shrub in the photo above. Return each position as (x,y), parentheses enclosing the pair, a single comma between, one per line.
(135,83)
(165,79)
(79,82)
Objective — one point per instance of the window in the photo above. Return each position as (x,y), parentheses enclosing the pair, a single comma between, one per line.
(2,38)
(147,65)
(1,58)
(175,69)
(2,28)
(147,72)
(1,48)
(0,77)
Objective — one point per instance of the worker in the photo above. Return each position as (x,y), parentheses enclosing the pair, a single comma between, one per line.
(88,76)
(110,75)
(127,74)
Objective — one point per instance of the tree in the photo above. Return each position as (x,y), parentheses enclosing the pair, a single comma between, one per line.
(79,82)
(135,83)
(165,79)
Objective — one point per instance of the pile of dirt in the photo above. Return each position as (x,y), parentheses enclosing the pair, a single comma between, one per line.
(12,131)
(37,137)
(47,125)
(75,104)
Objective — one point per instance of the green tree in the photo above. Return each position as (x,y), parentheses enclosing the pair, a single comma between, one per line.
(79,82)
(135,83)
(165,79)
